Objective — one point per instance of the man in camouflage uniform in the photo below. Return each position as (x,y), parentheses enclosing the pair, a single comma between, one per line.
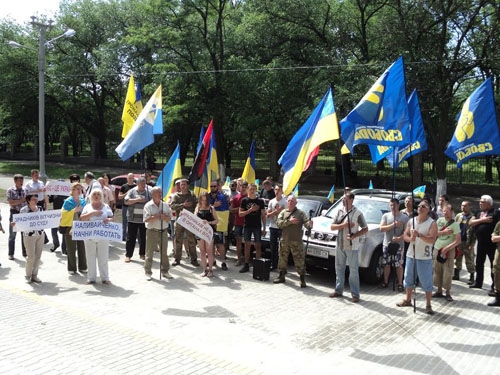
(184,199)
(291,221)
(467,244)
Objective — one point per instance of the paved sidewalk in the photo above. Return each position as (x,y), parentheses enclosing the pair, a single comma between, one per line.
(230,324)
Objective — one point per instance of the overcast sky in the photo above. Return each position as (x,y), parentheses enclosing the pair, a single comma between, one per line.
(22,10)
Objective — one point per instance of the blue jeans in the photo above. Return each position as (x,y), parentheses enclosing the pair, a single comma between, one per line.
(274,238)
(12,239)
(340,263)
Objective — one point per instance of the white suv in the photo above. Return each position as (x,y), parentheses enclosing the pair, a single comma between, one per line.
(322,243)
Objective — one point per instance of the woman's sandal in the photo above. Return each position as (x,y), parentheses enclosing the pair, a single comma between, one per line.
(383,285)
(401,288)
(210,274)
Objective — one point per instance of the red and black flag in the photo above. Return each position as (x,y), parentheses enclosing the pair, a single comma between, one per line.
(202,156)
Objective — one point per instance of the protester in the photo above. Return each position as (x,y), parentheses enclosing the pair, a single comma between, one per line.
(393,224)
(495,238)
(92,184)
(57,203)
(16,196)
(108,192)
(467,244)
(275,206)
(156,217)
(448,237)
(97,250)
(291,221)
(135,199)
(239,221)
(71,210)
(121,196)
(252,209)
(33,240)
(220,202)
(207,213)
(421,233)
(351,225)
(484,223)
(184,199)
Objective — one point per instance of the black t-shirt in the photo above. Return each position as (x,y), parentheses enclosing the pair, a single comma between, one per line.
(253,218)
(126,187)
(483,231)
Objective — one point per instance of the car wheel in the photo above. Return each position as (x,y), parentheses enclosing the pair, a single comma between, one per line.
(375,271)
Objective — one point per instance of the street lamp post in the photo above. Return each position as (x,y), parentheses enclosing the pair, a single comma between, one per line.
(42,44)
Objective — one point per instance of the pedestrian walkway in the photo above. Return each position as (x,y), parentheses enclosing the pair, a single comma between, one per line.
(230,324)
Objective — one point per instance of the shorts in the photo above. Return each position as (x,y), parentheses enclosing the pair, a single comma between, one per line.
(388,259)
(219,238)
(238,231)
(424,272)
(257,234)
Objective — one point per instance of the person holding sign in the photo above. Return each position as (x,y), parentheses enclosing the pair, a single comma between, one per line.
(33,240)
(98,250)
(207,213)
(72,207)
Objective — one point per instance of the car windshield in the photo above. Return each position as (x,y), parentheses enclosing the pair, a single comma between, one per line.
(372,209)
(307,205)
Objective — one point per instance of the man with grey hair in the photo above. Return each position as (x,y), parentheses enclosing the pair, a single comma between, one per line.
(484,223)
(135,199)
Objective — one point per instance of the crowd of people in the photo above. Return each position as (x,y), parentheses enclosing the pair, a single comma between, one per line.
(425,246)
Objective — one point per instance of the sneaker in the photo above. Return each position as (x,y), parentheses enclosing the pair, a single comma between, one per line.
(224,266)
(71,273)
(127,259)
(28,279)
(335,295)
(204,273)
(245,268)
(11,257)
(176,263)
(148,277)
(84,271)
(166,275)
(355,299)
(195,263)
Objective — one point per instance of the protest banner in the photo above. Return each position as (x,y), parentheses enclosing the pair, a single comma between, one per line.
(96,230)
(58,188)
(195,225)
(39,220)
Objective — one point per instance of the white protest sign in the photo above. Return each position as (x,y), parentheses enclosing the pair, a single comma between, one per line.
(39,220)
(96,230)
(58,188)
(195,225)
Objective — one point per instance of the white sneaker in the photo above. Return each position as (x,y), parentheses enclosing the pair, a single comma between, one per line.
(166,275)
(148,277)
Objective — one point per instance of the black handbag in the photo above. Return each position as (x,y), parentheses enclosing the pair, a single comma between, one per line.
(63,230)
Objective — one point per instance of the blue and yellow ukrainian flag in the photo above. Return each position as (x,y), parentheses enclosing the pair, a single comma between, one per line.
(331,194)
(249,170)
(419,191)
(171,172)
(476,133)
(320,127)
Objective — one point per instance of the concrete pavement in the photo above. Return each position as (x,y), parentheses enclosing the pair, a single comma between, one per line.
(230,324)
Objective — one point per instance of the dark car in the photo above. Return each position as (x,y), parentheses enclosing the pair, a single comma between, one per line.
(118,181)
